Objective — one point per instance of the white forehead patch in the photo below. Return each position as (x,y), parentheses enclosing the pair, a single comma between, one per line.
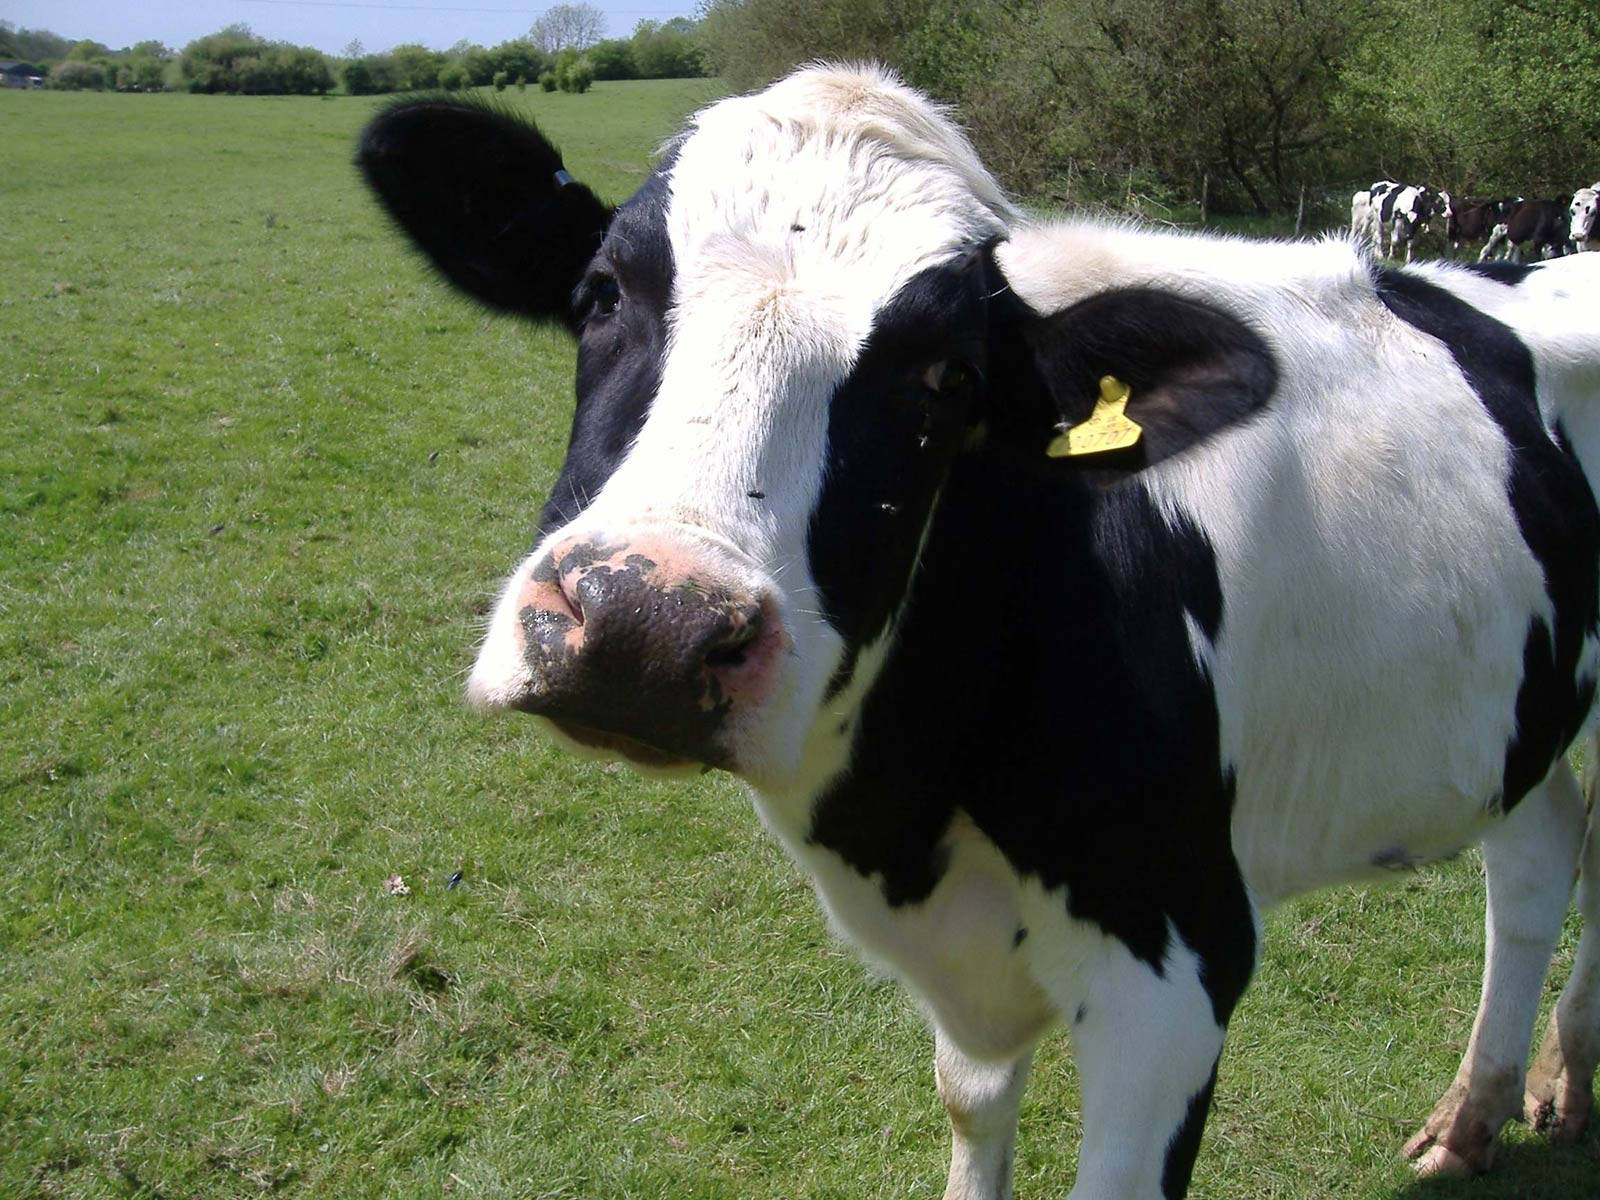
(841,182)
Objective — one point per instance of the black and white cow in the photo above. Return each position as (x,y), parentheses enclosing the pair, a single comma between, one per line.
(1391,216)
(1584,231)
(1067,594)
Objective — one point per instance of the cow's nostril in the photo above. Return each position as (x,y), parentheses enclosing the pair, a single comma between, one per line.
(733,648)
(729,654)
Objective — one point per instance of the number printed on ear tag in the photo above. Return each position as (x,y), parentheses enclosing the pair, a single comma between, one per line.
(1108,427)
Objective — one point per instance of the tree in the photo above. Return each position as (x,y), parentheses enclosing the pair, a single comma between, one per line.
(87,51)
(667,50)
(613,59)
(568,27)
(1489,95)
(416,66)
(518,58)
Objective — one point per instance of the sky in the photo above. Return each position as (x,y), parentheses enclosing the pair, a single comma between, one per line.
(328,25)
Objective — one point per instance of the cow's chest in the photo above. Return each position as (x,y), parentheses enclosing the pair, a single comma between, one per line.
(965,949)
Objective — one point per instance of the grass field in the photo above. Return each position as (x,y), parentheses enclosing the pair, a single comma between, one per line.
(259,477)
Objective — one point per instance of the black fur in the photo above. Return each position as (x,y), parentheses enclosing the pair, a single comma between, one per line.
(619,310)
(476,189)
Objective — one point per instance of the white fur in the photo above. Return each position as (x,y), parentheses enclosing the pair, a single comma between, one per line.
(1585,212)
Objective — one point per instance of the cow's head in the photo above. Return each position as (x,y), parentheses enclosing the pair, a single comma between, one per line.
(785,340)
(1585,215)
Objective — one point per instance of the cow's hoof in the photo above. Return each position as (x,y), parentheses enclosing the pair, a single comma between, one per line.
(1431,1158)
(1558,1108)
(1559,1100)
(1459,1137)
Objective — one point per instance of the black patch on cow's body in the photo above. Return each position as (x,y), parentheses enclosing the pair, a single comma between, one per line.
(1555,512)
(620,348)
(1048,619)
(1047,622)
(1184,1147)
(1386,194)
(1508,273)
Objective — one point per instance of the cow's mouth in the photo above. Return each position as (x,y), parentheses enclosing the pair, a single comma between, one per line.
(632,750)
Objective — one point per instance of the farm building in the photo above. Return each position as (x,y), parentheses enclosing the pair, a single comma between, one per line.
(20,75)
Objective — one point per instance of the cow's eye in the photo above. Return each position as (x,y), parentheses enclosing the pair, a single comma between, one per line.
(950,377)
(605,296)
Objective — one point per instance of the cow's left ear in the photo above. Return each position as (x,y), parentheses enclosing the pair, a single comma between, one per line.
(486,197)
(1136,375)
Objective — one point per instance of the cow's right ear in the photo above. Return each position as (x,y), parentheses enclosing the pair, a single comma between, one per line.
(485,197)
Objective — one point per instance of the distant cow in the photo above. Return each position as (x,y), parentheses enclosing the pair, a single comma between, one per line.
(1472,222)
(1584,230)
(1391,216)
(1067,593)
(1534,228)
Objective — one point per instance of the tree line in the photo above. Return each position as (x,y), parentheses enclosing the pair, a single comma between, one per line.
(1244,105)
(563,50)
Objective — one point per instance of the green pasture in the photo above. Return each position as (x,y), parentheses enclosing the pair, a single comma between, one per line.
(259,478)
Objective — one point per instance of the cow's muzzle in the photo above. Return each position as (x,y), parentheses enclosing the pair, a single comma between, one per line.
(638,648)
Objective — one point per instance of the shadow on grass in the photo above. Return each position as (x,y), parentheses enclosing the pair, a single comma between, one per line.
(1530,1169)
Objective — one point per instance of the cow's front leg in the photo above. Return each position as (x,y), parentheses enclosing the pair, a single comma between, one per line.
(1146,1042)
(982,1100)
(1529,861)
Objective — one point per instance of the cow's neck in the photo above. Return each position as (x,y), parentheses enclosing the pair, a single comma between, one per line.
(1040,619)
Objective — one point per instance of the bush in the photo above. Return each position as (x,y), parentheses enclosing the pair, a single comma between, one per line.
(547,82)
(454,76)
(500,81)
(75,75)
(613,59)
(372,75)
(577,77)
(522,83)
(236,60)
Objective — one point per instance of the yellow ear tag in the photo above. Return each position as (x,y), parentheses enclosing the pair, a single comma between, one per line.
(1107,427)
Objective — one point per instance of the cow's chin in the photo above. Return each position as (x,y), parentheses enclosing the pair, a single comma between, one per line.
(616,747)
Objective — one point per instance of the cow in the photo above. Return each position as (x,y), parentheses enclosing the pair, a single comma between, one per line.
(1538,227)
(1472,222)
(1584,230)
(1366,226)
(1391,216)
(1066,593)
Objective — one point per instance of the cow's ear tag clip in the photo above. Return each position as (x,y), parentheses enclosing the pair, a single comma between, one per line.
(1108,427)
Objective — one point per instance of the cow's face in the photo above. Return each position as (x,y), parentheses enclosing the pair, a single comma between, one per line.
(781,346)
(1583,211)
(786,339)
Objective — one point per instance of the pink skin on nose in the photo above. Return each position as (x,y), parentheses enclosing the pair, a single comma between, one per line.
(639,647)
